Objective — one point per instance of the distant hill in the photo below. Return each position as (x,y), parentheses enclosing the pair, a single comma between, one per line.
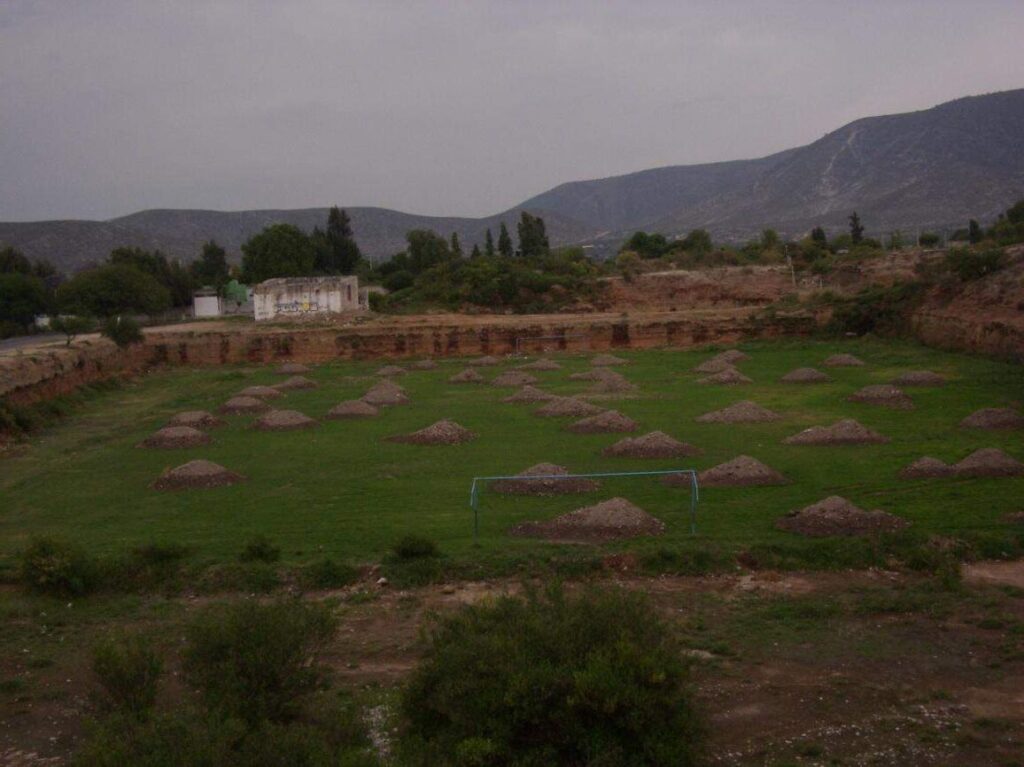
(920,170)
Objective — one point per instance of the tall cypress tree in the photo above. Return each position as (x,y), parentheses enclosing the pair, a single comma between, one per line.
(856,229)
(533,240)
(456,246)
(337,251)
(505,242)
(475,253)
(489,243)
(974,232)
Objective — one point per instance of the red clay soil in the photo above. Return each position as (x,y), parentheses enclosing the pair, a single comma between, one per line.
(485,361)
(467,376)
(391,370)
(197,419)
(386,393)
(609,520)
(919,378)
(423,365)
(283,420)
(993,418)
(989,462)
(836,516)
(353,408)
(656,444)
(743,411)
(261,392)
(608,422)
(845,432)
(563,407)
(605,360)
(805,375)
(243,406)
(443,432)
(529,395)
(296,382)
(843,361)
(174,437)
(514,378)
(742,471)
(293,368)
(885,395)
(728,377)
(195,475)
(926,467)
(544,486)
(543,364)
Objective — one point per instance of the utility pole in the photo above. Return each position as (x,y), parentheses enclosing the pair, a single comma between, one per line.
(789,260)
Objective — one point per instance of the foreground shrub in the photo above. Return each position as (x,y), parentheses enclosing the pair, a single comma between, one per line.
(54,566)
(968,265)
(260,549)
(128,670)
(123,331)
(414,547)
(328,574)
(552,679)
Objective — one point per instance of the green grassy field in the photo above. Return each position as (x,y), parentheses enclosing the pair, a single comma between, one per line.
(342,491)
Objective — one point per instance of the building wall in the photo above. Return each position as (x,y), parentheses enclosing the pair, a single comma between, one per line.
(280,299)
(206,306)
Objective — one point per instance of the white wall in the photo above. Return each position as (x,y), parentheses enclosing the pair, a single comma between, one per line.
(296,299)
(206,306)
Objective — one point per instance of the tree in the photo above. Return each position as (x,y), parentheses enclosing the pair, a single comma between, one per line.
(123,331)
(698,241)
(974,233)
(212,266)
(819,237)
(280,250)
(646,245)
(22,297)
(504,242)
(856,229)
(475,253)
(456,246)
(171,274)
(71,325)
(337,251)
(769,239)
(426,249)
(13,261)
(533,239)
(109,290)
(489,243)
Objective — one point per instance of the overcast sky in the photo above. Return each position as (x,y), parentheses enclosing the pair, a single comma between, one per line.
(448,107)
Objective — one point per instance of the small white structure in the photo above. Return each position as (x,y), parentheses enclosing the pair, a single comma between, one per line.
(285,297)
(206,303)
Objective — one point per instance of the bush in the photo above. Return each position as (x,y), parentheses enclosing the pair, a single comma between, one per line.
(54,566)
(260,549)
(123,331)
(414,547)
(875,309)
(968,265)
(328,574)
(128,671)
(552,679)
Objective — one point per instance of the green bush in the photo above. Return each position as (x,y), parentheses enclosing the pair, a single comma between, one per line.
(128,671)
(968,265)
(260,549)
(882,310)
(414,547)
(552,679)
(328,574)
(123,331)
(54,566)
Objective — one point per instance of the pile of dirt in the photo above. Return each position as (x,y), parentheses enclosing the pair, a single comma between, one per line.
(994,418)
(843,361)
(293,368)
(541,365)
(742,471)
(283,420)
(989,462)
(296,382)
(845,432)
(196,474)
(732,356)
(424,365)
(608,422)
(713,365)
(514,378)
(606,360)
(926,468)
(391,370)
(529,395)
(353,408)
(544,486)
(441,433)
(609,520)
(173,437)
(656,444)
(261,392)
(744,411)
(386,393)
(919,378)
(197,419)
(590,375)
(728,377)
(466,376)
(486,361)
(885,395)
(561,407)
(836,516)
(805,375)
(612,383)
(243,405)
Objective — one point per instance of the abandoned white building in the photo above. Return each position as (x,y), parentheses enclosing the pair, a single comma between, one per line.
(285,297)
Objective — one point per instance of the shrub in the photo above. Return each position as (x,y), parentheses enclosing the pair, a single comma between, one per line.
(968,265)
(123,331)
(54,566)
(552,679)
(414,547)
(328,574)
(128,671)
(875,309)
(258,661)
(260,549)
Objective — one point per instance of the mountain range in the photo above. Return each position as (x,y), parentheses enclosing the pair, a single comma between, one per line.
(931,169)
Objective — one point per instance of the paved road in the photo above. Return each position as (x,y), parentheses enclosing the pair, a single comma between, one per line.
(17,342)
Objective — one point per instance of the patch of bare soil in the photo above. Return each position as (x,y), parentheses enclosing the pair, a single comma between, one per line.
(546,486)
(386,393)
(743,411)
(1014,518)
(261,392)
(926,467)
(466,376)
(609,520)
(989,462)
(836,516)
(843,361)
(424,365)
(514,378)
(713,365)
(994,418)
(196,474)
(543,364)
(610,421)
(443,432)
(293,368)
(485,361)
(391,370)
(296,382)
(197,419)
(562,407)
(283,420)
(243,405)
(353,408)
(605,360)
(919,378)
(173,437)
(728,377)
(656,444)
(1001,573)
(845,432)
(742,471)
(732,356)
(805,375)
(529,395)
(885,395)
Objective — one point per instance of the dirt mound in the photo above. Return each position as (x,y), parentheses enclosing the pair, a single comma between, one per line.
(837,516)
(805,375)
(486,361)
(612,383)
(514,378)
(994,418)
(197,419)
(391,370)
(296,382)
(353,408)
(713,365)
(441,433)
(386,393)
(466,376)
(544,486)
(283,420)
(529,395)
(262,392)
(919,378)
(424,365)
(606,360)
(605,521)
(196,474)
(541,365)
(743,411)
(732,356)
(242,405)
(590,375)
(989,462)
(728,377)
(610,421)
(560,407)
(293,368)
(885,395)
(173,437)
(926,468)
(845,432)
(656,444)
(742,471)
(843,361)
